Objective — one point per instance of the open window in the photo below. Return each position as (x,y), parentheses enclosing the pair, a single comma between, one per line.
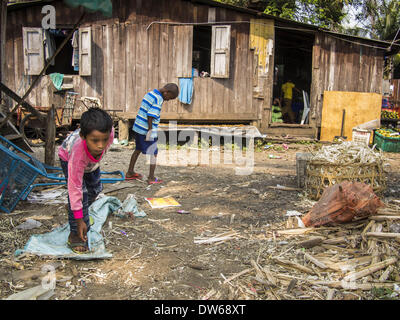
(202,49)
(40,44)
(211,50)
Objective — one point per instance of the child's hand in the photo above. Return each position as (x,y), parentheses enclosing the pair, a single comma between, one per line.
(148,136)
(81,229)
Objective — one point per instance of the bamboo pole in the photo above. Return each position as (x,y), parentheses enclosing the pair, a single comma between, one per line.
(238,275)
(355,286)
(352,276)
(287,263)
(315,260)
(270,276)
(383,218)
(383,235)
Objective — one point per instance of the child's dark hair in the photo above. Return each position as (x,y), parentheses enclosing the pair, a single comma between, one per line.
(95,119)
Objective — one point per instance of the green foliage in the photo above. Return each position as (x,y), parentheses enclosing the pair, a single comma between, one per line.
(281,8)
(324,13)
(238,3)
(383,294)
(379,19)
(305,142)
(258,145)
(204,144)
(231,146)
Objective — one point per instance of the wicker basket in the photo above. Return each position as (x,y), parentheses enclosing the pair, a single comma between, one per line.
(320,175)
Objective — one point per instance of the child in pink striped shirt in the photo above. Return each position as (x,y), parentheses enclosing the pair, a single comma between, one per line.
(80,155)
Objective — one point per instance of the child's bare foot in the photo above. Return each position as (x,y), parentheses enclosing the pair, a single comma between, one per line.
(76,244)
(133,176)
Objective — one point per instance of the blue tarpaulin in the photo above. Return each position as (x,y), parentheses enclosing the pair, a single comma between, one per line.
(54,243)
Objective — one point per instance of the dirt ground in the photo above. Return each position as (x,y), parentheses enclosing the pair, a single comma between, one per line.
(156,257)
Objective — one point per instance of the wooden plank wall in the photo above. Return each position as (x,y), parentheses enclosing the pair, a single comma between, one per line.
(339,65)
(396,92)
(129,60)
(262,36)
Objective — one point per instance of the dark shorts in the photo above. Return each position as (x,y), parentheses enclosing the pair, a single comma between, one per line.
(146,147)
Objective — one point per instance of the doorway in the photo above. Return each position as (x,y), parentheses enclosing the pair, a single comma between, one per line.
(292,74)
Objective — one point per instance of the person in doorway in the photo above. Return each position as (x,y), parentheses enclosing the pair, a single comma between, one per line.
(80,155)
(287,95)
(145,129)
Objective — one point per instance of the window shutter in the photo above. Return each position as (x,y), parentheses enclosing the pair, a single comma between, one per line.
(85,51)
(33,50)
(183,51)
(220,51)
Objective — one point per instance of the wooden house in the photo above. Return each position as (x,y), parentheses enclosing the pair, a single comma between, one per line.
(148,43)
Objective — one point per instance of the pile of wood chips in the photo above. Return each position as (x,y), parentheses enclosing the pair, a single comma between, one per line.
(324,262)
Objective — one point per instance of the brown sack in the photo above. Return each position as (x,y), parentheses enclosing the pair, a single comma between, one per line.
(342,203)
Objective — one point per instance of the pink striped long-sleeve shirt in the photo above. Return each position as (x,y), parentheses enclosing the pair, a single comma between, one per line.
(75,151)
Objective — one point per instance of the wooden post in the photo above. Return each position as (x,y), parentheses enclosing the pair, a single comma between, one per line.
(195,139)
(50,146)
(3,25)
(123,130)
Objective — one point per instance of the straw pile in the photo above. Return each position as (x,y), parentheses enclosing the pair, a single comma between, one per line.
(358,258)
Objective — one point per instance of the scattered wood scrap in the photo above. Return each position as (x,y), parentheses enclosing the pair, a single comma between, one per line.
(219,238)
(324,263)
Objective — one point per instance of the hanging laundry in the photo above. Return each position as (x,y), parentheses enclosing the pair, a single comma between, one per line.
(57,79)
(75,53)
(49,46)
(186,89)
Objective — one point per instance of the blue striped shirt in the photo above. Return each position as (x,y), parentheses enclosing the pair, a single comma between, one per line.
(150,107)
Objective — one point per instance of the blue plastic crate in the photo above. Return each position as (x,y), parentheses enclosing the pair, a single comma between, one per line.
(16,176)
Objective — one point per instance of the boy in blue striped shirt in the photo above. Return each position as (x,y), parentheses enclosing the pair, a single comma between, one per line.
(145,129)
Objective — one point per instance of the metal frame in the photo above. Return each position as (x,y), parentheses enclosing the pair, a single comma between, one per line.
(40,169)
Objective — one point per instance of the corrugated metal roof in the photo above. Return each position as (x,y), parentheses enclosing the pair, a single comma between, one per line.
(286,22)
(280,22)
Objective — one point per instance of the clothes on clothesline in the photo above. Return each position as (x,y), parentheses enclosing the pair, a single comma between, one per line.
(186,89)
(57,79)
(75,53)
(49,46)
(57,32)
